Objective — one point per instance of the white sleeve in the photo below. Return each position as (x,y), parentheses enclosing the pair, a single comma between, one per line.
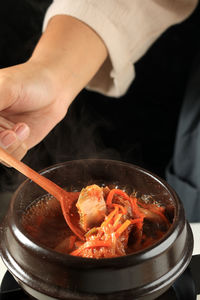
(127,27)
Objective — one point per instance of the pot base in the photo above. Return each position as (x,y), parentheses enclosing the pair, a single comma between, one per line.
(10,288)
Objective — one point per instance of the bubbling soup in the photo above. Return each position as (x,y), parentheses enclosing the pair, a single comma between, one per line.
(113,221)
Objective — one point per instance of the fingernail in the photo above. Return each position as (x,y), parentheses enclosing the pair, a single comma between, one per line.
(22,132)
(7,139)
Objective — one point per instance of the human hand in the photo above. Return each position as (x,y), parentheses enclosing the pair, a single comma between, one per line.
(35,96)
(30,106)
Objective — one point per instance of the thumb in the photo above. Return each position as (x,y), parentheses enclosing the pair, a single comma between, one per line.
(9,90)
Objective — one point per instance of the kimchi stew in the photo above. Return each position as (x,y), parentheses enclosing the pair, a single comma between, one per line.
(114,222)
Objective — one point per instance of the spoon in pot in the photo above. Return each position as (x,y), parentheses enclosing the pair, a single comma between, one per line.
(60,194)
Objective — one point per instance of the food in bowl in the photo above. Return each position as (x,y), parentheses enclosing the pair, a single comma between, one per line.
(114,222)
(48,274)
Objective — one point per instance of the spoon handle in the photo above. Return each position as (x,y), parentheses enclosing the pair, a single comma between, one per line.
(42,181)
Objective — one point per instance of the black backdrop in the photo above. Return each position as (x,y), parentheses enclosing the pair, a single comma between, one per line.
(139,127)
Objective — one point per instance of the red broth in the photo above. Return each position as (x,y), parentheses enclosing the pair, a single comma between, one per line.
(44,223)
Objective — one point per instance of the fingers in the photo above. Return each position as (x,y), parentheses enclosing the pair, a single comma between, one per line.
(13,140)
(22,131)
(5,124)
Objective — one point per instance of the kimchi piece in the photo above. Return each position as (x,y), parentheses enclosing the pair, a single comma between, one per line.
(128,224)
(114,224)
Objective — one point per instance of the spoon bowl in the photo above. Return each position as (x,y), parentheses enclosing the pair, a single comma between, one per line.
(64,197)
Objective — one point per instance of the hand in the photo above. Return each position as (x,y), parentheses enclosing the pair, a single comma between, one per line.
(35,96)
(30,107)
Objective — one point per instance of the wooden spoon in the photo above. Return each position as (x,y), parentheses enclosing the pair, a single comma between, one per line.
(60,194)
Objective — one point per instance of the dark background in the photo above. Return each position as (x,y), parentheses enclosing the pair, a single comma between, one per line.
(139,127)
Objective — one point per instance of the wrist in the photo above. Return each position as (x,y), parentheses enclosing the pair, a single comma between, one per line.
(71,52)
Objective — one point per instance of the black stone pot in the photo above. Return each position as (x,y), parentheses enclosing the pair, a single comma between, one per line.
(45,274)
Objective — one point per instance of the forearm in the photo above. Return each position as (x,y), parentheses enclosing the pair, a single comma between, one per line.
(72,53)
(35,95)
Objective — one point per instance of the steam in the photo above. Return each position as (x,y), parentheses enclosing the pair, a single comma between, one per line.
(94,127)
(81,134)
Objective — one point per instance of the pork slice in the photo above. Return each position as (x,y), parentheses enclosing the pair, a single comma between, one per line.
(91,206)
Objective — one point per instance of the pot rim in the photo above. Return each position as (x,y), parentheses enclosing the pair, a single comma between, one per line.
(163,259)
